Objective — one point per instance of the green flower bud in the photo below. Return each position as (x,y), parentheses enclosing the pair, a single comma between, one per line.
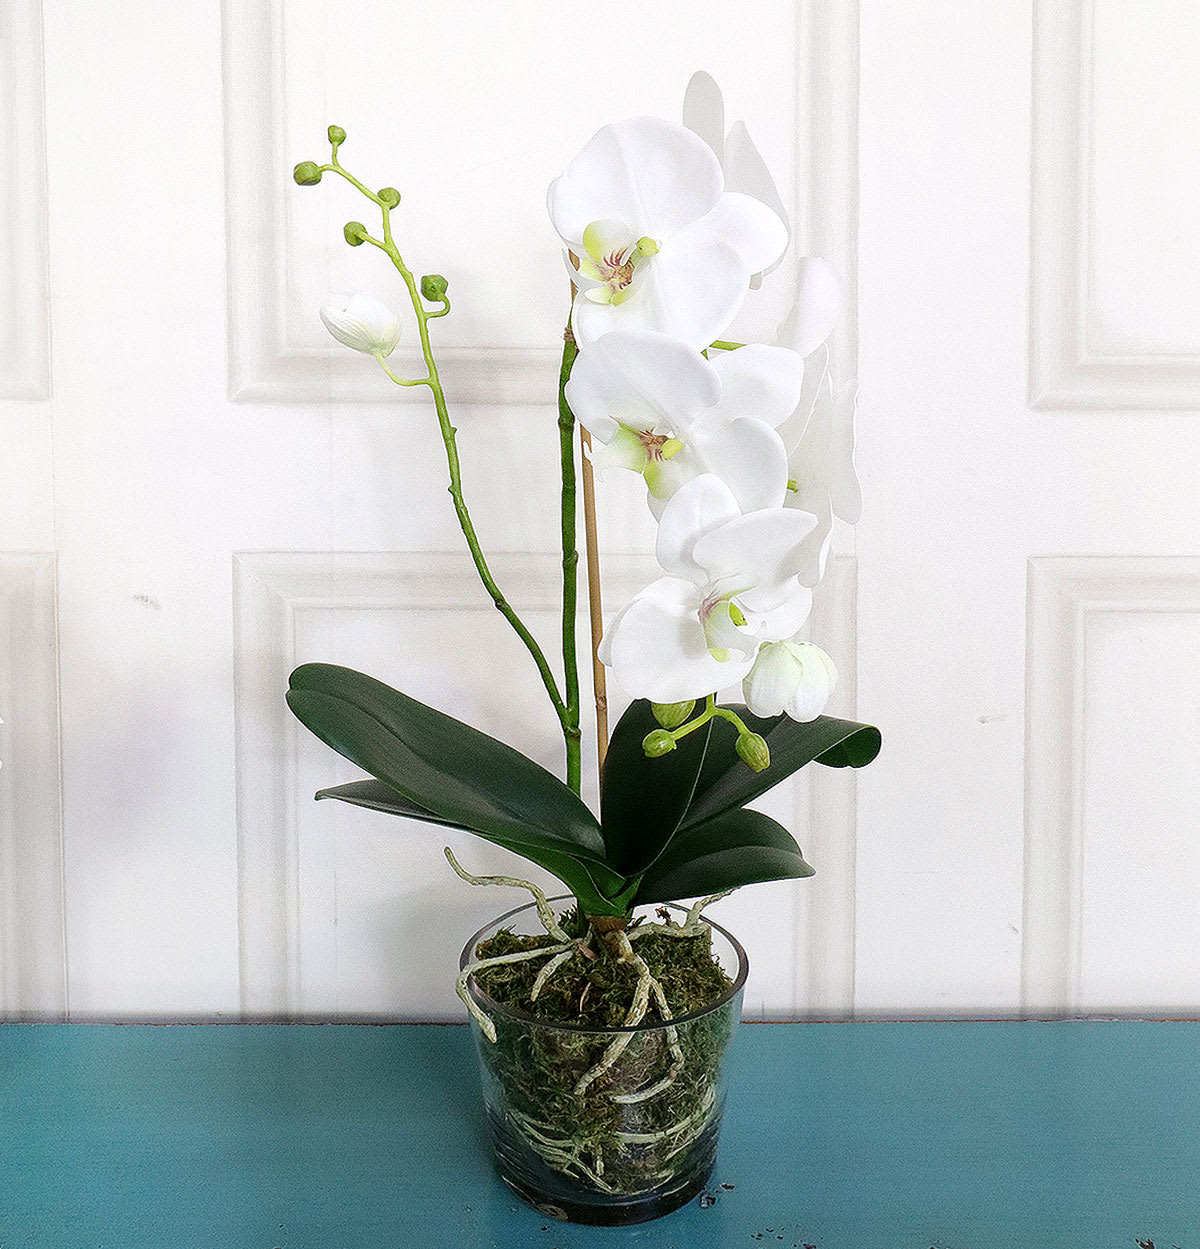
(390,196)
(657,743)
(672,715)
(306,174)
(433,286)
(355,233)
(753,752)
(336,135)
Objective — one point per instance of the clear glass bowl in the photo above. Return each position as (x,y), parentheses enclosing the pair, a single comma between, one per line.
(641,1139)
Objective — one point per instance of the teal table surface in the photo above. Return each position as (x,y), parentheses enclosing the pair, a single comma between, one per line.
(947,1135)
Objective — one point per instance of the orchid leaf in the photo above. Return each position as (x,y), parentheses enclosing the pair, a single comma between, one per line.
(442,765)
(733,849)
(725,781)
(643,800)
(584,879)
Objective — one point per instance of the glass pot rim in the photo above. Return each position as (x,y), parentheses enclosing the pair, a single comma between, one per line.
(493,1007)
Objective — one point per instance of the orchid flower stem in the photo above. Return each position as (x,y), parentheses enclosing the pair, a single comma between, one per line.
(433,381)
(711,711)
(570,566)
(704,717)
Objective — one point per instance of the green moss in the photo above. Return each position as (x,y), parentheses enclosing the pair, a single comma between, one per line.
(537,1067)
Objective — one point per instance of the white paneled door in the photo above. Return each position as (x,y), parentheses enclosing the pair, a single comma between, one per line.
(198,489)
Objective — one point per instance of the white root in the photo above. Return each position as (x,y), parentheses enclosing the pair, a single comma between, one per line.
(637,1012)
(544,910)
(693,925)
(677,1060)
(460,985)
(551,967)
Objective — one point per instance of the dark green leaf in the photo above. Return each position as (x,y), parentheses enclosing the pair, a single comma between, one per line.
(444,766)
(725,782)
(642,800)
(589,882)
(734,849)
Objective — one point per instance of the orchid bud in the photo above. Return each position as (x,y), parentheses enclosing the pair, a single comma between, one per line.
(752,750)
(364,324)
(672,715)
(657,743)
(336,135)
(306,173)
(390,196)
(355,233)
(433,287)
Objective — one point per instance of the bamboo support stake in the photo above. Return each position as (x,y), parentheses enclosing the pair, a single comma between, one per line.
(595,608)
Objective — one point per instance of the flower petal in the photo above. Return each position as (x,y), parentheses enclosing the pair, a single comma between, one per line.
(768,686)
(759,552)
(817,306)
(818,676)
(787,618)
(704,111)
(625,450)
(760,381)
(796,677)
(747,172)
(743,223)
(643,380)
(657,650)
(364,323)
(816,368)
(749,457)
(685,292)
(655,175)
(702,505)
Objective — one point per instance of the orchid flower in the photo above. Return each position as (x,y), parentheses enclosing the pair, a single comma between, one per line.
(793,677)
(661,244)
(744,169)
(823,480)
(661,409)
(365,324)
(815,308)
(730,583)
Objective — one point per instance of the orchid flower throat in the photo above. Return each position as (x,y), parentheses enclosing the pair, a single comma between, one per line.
(613,259)
(722,621)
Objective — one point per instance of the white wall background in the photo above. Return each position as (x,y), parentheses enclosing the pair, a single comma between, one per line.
(197,490)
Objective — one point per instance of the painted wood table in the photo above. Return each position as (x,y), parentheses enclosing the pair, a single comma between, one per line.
(965,1135)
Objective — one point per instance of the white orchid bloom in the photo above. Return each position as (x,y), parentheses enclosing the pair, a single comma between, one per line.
(815,309)
(729,583)
(742,164)
(661,409)
(662,245)
(822,478)
(365,324)
(793,677)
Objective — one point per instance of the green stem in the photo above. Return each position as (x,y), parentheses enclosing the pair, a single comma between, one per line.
(433,381)
(570,564)
(704,717)
(711,711)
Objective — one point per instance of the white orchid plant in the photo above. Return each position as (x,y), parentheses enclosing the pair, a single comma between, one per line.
(747,452)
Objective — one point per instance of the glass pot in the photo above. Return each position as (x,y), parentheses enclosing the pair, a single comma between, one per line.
(641,1139)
